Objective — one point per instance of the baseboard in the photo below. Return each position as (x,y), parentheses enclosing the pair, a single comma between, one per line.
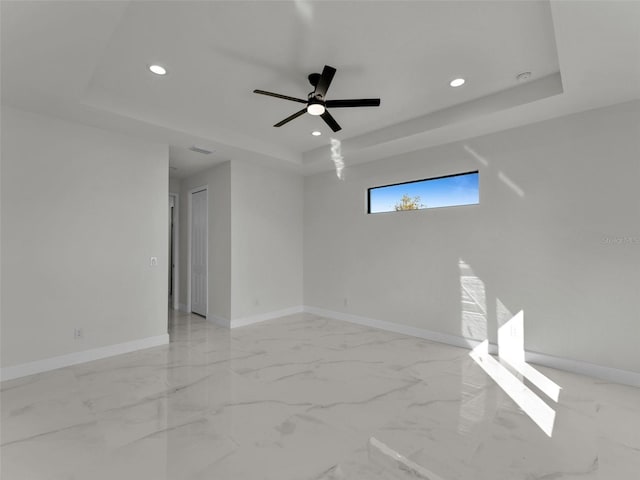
(53,363)
(220,321)
(183,307)
(262,317)
(454,340)
(609,374)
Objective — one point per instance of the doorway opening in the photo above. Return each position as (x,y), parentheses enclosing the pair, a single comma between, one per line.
(198,276)
(172,273)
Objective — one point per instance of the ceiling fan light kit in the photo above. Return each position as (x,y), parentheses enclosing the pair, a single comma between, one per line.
(316,104)
(315,107)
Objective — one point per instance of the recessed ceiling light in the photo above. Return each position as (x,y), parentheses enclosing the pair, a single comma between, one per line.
(158,70)
(316,133)
(457,82)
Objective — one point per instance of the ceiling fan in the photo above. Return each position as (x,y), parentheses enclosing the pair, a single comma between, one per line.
(316,103)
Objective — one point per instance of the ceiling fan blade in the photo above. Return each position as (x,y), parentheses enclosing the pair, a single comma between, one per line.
(360,102)
(326,116)
(288,119)
(324,82)
(277,95)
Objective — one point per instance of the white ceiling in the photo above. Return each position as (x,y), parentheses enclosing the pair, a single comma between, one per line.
(87,61)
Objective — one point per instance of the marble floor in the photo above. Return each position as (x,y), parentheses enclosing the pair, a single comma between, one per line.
(308,398)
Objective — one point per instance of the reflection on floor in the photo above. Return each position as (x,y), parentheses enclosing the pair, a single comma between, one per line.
(306,398)
(512,361)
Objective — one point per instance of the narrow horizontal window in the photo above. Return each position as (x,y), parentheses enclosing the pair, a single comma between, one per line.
(449,191)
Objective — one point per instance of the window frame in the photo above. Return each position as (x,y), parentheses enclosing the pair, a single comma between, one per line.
(419,181)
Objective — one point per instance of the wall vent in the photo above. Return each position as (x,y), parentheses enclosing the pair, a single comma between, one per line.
(204,151)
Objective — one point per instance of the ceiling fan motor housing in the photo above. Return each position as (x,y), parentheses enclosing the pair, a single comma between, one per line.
(313,98)
(314,78)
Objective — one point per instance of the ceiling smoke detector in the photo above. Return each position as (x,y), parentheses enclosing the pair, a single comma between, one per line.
(204,151)
(521,77)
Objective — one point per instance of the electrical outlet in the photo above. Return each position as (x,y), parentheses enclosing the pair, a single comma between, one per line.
(346,302)
(153,261)
(78,333)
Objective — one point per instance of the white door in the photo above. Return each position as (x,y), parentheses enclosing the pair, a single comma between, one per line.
(199,252)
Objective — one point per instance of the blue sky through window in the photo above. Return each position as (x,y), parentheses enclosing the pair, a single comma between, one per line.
(449,191)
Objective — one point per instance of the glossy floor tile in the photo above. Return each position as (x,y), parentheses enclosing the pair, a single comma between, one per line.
(305,397)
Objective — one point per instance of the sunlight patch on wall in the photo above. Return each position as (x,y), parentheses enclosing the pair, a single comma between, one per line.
(511,350)
(511,340)
(476,155)
(474,304)
(512,369)
(511,184)
(305,10)
(336,156)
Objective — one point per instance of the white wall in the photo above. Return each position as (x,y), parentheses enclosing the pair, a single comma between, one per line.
(174,185)
(556,234)
(266,225)
(83,210)
(218,182)
(255,240)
